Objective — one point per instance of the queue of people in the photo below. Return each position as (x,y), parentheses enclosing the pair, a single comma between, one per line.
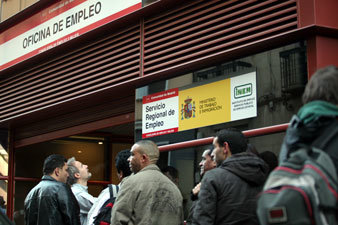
(233,174)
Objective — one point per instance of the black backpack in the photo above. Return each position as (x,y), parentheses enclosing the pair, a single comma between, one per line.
(104,215)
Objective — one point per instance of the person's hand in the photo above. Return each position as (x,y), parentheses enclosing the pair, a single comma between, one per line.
(196,189)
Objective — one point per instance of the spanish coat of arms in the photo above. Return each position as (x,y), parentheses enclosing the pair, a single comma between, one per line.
(188,109)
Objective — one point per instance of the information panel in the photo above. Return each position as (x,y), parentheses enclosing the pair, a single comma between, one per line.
(160,113)
(214,103)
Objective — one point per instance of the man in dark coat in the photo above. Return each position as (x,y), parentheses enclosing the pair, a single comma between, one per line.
(228,193)
(207,163)
(52,201)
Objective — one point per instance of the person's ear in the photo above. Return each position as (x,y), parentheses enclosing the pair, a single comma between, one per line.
(77,175)
(226,148)
(145,157)
(57,171)
(120,175)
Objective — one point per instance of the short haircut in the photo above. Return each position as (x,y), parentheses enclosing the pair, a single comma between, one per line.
(173,172)
(323,85)
(210,148)
(149,148)
(52,162)
(72,169)
(252,149)
(235,139)
(121,162)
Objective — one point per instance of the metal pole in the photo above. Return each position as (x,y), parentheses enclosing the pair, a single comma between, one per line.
(206,141)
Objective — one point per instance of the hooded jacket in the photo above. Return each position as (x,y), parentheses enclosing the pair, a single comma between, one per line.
(228,193)
(51,202)
(313,126)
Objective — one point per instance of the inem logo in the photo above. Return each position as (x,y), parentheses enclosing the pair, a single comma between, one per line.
(243,90)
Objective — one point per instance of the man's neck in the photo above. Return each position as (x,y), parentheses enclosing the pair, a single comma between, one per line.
(82,182)
(146,164)
(55,177)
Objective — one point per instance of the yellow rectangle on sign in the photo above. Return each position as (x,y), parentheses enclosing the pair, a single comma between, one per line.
(205,105)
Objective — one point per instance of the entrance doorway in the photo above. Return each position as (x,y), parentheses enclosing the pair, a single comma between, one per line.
(97,149)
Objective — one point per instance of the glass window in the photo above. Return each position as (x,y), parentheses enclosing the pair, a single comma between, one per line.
(3,152)
(281,75)
(3,168)
(21,190)
(98,151)
(3,195)
(87,150)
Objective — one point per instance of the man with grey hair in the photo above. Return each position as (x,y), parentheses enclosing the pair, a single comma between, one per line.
(78,178)
(148,196)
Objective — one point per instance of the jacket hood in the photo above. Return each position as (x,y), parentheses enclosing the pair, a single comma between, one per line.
(248,167)
(299,133)
(314,110)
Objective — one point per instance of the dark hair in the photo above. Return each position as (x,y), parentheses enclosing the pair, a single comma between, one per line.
(121,162)
(2,201)
(52,162)
(252,149)
(235,139)
(269,158)
(210,148)
(323,85)
(173,172)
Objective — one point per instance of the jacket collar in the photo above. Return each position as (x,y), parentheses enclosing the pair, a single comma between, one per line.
(47,177)
(150,167)
(80,186)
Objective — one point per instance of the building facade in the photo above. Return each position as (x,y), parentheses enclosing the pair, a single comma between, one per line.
(84,97)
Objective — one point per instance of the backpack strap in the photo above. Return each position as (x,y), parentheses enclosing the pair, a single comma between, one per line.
(111,190)
(329,133)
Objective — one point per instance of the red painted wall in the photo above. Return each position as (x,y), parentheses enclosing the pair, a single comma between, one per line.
(322,51)
(318,12)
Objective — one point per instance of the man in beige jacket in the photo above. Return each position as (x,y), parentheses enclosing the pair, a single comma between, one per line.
(147,197)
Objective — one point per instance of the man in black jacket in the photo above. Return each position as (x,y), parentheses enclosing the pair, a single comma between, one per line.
(207,163)
(228,193)
(52,201)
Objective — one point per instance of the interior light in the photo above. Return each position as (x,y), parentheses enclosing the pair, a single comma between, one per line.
(100,143)
(79,152)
